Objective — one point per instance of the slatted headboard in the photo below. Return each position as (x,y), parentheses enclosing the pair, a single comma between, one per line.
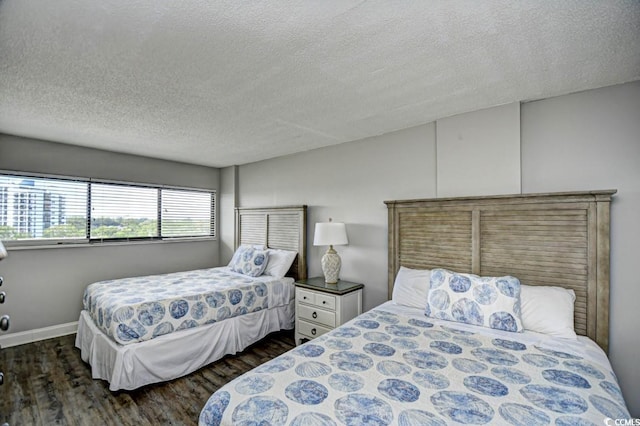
(276,227)
(558,239)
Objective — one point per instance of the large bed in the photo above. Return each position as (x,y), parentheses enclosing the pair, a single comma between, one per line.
(545,255)
(142,330)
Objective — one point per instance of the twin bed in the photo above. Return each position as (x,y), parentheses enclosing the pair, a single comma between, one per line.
(143,330)
(449,347)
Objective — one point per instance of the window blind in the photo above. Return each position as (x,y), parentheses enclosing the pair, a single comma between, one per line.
(121,211)
(186,213)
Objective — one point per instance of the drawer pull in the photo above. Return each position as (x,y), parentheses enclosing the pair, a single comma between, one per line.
(324,302)
(313,331)
(304,297)
(1,378)
(314,315)
(4,322)
(1,280)
(3,296)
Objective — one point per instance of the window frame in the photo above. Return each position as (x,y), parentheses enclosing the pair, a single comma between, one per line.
(88,240)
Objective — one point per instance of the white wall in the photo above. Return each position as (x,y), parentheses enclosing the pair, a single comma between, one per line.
(575,142)
(479,152)
(44,286)
(591,140)
(349,183)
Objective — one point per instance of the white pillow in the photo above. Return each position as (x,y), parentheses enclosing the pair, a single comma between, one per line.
(411,287)
(279,262)
(548,310)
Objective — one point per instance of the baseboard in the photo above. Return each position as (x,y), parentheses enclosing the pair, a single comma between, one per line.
(23,337)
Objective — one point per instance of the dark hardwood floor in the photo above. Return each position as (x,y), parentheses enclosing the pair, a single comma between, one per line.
(47,383)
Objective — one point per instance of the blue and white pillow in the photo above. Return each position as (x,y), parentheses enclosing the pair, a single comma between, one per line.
(492,302)
(241,248)
(250,261)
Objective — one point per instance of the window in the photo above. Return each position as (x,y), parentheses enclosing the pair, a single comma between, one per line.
(186,213)
(55,209)
(123,211)
(33,208)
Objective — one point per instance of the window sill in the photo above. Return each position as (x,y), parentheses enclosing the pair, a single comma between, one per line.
(85,244)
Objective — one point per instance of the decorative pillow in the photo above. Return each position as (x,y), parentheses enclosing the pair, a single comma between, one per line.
(251,262)
(239,251)
(411,287)
(548,310)
(279,262)
(492,302)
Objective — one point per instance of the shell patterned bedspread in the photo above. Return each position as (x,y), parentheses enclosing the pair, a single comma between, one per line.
(141,308)
(385,367)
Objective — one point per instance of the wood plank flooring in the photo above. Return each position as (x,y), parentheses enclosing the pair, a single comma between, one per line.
(47,383)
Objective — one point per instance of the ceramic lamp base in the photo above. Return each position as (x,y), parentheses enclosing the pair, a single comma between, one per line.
(331,264)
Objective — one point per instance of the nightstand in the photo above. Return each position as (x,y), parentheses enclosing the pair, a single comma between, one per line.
(321,307)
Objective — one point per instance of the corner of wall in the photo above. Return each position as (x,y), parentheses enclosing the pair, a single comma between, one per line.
(228,201)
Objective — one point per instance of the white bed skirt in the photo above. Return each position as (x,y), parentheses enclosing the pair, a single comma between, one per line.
(177,354)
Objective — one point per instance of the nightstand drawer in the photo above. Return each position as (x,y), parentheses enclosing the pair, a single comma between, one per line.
(305,296)
(311,330)
(326,301)
(317,315)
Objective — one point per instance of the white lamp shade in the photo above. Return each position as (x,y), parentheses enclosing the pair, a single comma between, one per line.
(330,234)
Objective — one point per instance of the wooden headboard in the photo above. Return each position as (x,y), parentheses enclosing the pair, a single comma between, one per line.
(278,228)
(557,239)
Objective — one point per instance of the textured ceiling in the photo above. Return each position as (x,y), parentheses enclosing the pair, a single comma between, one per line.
(230,82)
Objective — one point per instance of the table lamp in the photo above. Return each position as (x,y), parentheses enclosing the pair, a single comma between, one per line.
(330,234)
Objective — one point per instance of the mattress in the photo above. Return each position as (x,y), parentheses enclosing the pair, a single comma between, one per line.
(137,309)
(393,365)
